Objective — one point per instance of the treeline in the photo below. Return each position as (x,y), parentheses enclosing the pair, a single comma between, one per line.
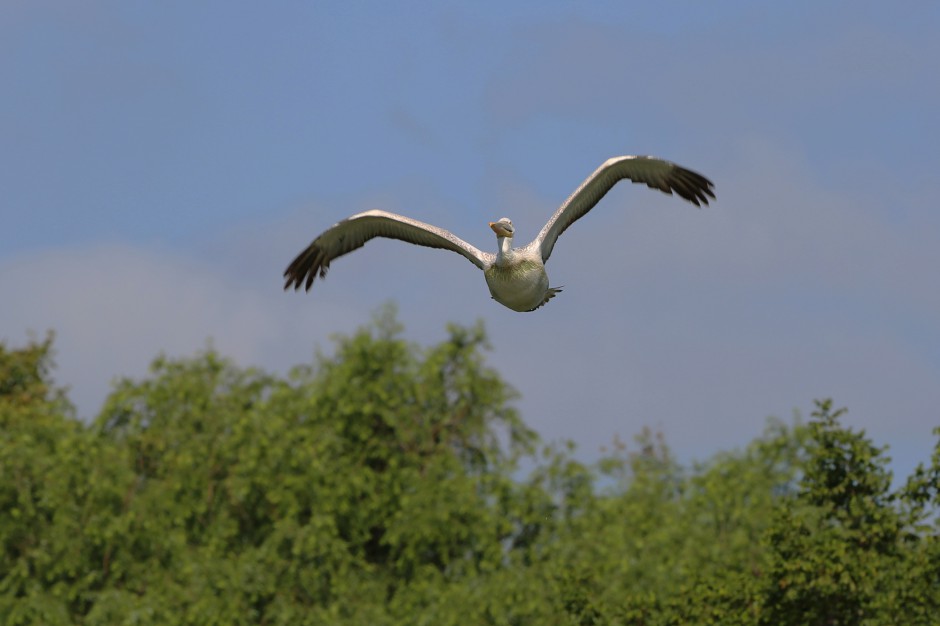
(381,485)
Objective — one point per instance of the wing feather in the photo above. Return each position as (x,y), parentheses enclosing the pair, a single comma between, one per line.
(352,233)
(655,173)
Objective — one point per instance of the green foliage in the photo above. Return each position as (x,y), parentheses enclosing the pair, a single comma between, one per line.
(43,506)
(843,551)
(381,485)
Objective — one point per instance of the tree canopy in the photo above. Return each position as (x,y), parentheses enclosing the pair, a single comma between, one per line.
(381,484)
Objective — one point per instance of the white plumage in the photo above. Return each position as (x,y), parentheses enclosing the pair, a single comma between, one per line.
(515,276)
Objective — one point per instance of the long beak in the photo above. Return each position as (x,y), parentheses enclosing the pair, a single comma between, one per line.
(500,230)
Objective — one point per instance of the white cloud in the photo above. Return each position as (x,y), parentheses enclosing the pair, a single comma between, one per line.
(703,322)
(115,307)
(699,322)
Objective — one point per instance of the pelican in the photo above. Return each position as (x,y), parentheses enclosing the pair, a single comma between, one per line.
(515,276)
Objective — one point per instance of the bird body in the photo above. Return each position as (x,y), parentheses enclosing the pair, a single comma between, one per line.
(516,277)
(521,284)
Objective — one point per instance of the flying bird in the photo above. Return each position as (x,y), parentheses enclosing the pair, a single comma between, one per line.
(515,276)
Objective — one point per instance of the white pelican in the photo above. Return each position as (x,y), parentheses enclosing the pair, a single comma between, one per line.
(516,276)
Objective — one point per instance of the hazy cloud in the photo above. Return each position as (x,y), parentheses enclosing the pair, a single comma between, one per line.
(814,274)
(115,307)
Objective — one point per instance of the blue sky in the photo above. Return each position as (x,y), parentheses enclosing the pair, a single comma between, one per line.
(163,162)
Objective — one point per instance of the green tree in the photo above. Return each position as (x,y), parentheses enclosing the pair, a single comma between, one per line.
(355,491)
(48,476)
(380,484)
(668,545)
(917,574)
(842,551)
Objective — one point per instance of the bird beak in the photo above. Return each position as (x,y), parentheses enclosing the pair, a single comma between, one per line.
(500,230)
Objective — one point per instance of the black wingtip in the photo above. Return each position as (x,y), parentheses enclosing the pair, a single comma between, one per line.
(693,187)
(304,269)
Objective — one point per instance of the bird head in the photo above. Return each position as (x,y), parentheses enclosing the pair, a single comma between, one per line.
(502,227)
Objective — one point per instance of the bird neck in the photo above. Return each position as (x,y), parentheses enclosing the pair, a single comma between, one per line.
(504,255)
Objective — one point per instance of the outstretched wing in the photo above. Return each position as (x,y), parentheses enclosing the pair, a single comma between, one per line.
(355,231)
(656,173)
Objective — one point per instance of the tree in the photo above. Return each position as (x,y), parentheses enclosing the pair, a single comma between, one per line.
(668,545)
(355,490)
(47,473)
(380,484)
(842,551)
